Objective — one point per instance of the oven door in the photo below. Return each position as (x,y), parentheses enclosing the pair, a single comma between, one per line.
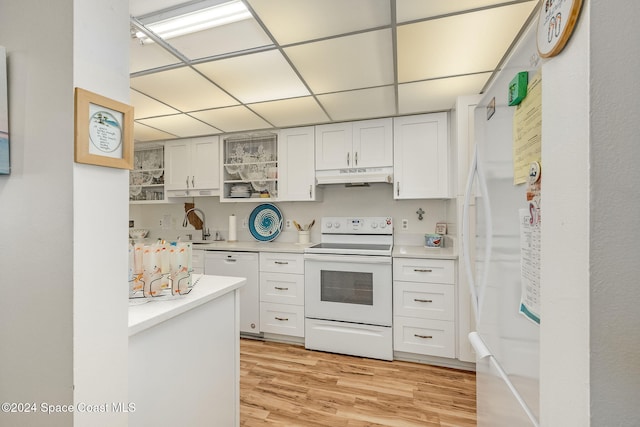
(348,288)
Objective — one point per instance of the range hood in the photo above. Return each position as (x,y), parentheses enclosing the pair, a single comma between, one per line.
(355,175)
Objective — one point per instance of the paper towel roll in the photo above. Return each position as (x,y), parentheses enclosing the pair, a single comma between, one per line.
(232,229)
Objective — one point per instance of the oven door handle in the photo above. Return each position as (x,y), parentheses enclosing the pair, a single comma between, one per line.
(360,259)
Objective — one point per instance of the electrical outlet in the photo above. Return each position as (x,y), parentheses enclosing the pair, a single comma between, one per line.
(405,224)
(165,222)
(287,224)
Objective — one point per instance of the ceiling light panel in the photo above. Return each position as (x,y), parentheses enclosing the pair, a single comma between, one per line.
(352,62)
(460,44)
(144,7)
(148,107)
(291,112)
(255,78)
(239,36)
(142,133)
(183,89)
(180,125)
(410,10)
(292,21)
(232,119)
(360,104)
(437,95)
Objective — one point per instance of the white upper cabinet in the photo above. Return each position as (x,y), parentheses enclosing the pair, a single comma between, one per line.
(192,167)
(362,144)
(296,164)
(421,157)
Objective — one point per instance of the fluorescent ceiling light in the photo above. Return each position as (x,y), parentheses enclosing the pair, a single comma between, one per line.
(203,19)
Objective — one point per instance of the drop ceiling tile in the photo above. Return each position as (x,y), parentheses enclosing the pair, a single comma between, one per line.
(360,104)
(148,56)
(438,95)
(180,125)
(232,119)
(291,112)
(148,107)
(410,10)
(142,7)
(460,44)
(239,36)
(352,62)
(183,89)
(291,21)
(145,133)
(255,78)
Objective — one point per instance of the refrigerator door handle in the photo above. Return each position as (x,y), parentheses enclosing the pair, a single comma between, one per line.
(477,291)
(483,351)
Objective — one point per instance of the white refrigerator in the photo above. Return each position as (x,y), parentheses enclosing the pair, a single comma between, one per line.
(506,341)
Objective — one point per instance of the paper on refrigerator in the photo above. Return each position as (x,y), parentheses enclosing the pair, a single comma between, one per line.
(530,263)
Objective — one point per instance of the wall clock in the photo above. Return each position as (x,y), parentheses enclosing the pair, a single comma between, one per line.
(556,22)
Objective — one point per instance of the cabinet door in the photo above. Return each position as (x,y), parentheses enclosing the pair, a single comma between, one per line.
(373,143)
(205,163)
(177,159)
(421,157)
(333,146)
(296,164)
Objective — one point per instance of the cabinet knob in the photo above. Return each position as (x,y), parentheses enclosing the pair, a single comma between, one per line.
(398,188)
(187,182)
(282,319)
(356,158)
(348,158)
(423,270)
(281,262)
(281,288)
(422,300)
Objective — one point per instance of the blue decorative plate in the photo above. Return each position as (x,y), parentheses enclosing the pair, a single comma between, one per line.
(265,222)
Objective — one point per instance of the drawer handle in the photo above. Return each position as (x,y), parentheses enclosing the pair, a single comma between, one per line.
(423,270)
(423,336)
(281,262)
(282,319)
(422,300)
(281,289)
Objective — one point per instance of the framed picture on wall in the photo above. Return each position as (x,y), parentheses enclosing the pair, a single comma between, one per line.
(103,131)
(5,165)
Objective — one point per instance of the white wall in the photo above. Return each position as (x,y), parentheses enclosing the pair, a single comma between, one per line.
(63,310)
(590,298)
(613,229)
(564,329)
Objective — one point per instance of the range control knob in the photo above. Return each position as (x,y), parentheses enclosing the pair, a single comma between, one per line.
(336,225)
(383,224)
(328,225)
(374,225)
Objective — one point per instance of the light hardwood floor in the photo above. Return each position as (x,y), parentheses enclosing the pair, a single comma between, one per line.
(286,385)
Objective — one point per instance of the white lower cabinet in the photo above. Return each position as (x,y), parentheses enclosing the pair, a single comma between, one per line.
(282,293)
(424,307)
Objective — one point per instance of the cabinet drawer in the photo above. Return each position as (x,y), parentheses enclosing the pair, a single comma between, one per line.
(277,262)
(424,270)
(423,300)
(282,319)
(282,288)
(428,337)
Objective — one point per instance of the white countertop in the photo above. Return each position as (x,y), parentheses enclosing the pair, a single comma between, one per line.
(144,314)
(409,251)
(253,246)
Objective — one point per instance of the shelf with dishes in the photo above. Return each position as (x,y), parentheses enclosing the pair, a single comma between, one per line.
(146,180)
(250,168)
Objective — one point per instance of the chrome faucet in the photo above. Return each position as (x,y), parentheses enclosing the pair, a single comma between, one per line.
(205,230)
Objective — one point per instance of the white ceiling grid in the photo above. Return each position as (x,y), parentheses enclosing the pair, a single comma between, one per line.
(304,62)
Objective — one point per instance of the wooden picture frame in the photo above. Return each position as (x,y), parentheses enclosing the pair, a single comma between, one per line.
(103,131)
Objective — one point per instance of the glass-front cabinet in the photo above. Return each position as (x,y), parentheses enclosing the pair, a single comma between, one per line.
(146,179)
(250,168)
